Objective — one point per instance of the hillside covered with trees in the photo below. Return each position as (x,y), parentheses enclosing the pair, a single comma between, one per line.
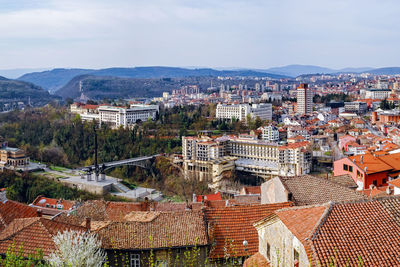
(14,90)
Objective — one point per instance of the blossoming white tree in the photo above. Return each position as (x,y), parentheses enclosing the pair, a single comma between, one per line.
(76,248)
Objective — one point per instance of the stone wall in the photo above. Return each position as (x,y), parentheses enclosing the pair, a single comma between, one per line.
(282,244)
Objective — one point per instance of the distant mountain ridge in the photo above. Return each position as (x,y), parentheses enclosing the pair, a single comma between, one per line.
(297,70)
(55,79)
(111,87)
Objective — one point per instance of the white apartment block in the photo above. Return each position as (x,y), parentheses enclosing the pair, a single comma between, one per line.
(297,130)
(241,111)
(269,133)
(377,93)
(304,99)
(125,117)
(115,116)
(355,107)
(263,110)
(230,112)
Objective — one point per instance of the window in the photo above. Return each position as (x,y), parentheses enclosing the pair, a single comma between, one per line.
(268,251)
(350,168)
(375,182)
(135,260)
(296,258)
(384,181)
(345,167)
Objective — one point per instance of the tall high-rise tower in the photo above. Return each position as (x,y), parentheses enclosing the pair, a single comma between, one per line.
(304,99)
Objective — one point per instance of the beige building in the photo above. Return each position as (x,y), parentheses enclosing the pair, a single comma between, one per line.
(10,156)
(246,153)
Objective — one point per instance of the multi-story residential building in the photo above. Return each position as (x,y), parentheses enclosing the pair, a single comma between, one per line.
(263,111)
(208,158)
(374,93)
(294,131)
(269,133)
(369,169)
(304,99)
(356,107)
(254,156)
(229,112)
(241,111)
(116,116)
(295,159)
(205,159)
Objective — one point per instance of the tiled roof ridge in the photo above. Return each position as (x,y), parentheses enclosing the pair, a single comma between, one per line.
(286,178)
(322,220)
(356,201)
(247,206)
(365,200)
(28,221)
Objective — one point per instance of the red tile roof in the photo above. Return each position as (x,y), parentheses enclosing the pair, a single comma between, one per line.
(252,190)
(373,164)
(59,204)
(12,210)
(230,226)
(395,182)
(256,260)
(201,198)
(159,230)
(367,230)
(32,234)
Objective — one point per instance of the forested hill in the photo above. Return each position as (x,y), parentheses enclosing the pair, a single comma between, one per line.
(14,90)
(100,87)
(57,78)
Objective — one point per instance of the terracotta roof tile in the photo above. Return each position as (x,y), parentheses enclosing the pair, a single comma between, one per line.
(254,190)
(344,180)
(395,182)
(164,229)
(256,260)
(311,190)
(369,230)
(46,202)
(12,210)
(32,234)
(230,226)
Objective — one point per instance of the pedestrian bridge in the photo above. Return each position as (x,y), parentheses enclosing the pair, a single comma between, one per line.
(144,162)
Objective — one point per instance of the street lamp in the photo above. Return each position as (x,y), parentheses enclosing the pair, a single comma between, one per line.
(245,243)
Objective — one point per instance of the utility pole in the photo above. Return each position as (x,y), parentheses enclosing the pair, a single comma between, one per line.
(96,166)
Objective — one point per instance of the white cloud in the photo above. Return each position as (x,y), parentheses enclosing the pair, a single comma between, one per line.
(249,33)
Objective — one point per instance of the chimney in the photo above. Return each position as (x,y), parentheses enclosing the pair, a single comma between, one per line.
(88,222)
(39,212)
(361,159)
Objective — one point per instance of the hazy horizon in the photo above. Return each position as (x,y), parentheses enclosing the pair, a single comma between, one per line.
(252,34)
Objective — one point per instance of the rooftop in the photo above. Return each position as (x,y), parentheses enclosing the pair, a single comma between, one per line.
(230,226)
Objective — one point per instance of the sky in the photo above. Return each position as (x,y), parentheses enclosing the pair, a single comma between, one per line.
(206,33)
